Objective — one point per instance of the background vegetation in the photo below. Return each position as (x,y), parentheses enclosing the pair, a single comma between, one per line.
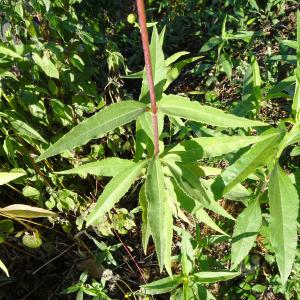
(64,61)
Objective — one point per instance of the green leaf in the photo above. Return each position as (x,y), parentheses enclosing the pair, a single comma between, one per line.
(146,232)
(3,268)
(159,213)
(245,231)
(107,167)
(162,286)
(208,277)
(295,151)
(114,191)
(6,177)
(170,60)
(281,86)
(296,99)
(290,43)
(204,147)
(203,216)
(96,126)
(46,65)
(226,63)
(174,71)
(210,44)
(251,90)
(178,106)
(256,156)
(25,211)
(190,185)
(21,127)
(284,206)
(159,70)
(187,253)
(8,52)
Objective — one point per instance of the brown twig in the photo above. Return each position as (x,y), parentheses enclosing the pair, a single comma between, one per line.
(131,257)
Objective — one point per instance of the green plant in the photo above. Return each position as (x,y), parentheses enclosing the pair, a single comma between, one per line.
(172,174)
(94,289)
(190,283)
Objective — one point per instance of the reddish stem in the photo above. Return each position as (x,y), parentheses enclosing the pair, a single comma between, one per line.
(145,41)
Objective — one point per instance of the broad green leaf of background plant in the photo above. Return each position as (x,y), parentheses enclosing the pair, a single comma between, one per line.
(107,167)
(284,206)
(114,191)
(8,52)
(182,107)
(162,286)
(159,213)
(6,177)
(21,127)
(25,211)
(208,277)
(3,268)
(210,44)
(245,231)
(96,126)
(204,147)
(256,156)
(46,65)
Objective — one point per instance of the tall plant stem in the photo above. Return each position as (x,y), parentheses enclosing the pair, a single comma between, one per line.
(145,41)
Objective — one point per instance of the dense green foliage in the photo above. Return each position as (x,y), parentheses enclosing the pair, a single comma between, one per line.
(217,211)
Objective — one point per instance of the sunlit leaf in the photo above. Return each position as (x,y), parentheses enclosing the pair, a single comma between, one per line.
(96,126)
(178,106)
(284,207)
(114,191)
(245,231)
(26,211)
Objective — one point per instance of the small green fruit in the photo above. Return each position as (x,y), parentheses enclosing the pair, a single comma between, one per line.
(131,18)
(32,240)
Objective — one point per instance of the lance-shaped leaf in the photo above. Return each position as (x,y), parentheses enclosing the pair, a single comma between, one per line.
(115,190)
(8,52)
(159,70)
(202,147)
(192,206)
(96,126)
(162,286)
(6,177)
(190,185)
(25,211)
(145,222)
(182,107)
(258,155)
(107,167)
(245,231)
(208,277)
(284,206)
(159,213)
(3,268)
(296,99)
